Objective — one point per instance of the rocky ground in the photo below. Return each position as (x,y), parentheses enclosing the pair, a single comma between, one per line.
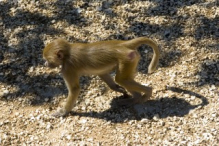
(185,103)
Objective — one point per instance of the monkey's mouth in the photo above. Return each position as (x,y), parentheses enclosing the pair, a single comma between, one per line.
(50,65)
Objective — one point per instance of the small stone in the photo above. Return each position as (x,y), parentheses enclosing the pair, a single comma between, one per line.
(79,10)
(17,114)
(53,21)
(68,137)
(212,87)
(49,126)
(146,51)
(1,94)
(187,95)
(5,91)
(192,97)
(46,99)
(144,120)
(156,117)
(99,8)
(31,69)
(82,121)
(162,123)
(214,115)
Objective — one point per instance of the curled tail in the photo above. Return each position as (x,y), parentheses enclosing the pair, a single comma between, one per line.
(135,43)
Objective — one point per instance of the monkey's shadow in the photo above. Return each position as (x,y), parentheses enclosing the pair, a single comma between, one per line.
(164,107)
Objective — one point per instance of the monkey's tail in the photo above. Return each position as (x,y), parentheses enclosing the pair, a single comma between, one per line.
(155,60)
(135,43)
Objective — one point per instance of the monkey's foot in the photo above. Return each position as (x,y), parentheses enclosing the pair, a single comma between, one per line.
(118,88)
(135,100)
(60,113)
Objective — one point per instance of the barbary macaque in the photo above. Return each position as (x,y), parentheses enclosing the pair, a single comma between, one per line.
(100,58)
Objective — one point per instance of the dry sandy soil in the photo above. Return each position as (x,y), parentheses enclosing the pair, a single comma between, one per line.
(185,103)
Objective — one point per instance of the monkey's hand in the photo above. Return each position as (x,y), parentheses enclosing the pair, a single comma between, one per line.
(60,113)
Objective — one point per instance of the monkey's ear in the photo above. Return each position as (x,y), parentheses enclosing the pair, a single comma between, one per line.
(60,54)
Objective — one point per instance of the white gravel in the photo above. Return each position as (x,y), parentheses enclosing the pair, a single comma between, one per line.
(185,104)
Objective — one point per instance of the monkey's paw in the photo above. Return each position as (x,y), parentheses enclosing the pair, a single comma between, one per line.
(60,113)
(118,89)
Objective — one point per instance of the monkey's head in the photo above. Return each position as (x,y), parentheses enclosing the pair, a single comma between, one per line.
(55,53)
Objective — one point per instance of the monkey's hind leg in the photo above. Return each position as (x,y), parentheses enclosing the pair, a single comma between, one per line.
(125,77)
(113,86)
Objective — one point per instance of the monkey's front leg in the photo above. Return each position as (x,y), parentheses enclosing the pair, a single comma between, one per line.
(72,82)
(60,113)
(71,100)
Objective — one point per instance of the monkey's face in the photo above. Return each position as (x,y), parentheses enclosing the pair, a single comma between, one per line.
(50,65)
(52,62)
(53,58)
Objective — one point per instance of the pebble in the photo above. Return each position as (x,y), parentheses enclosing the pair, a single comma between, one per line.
(46,99)
(193,97)
(187,96)
(82,121)
(144,120)
(6,91)
(156,117)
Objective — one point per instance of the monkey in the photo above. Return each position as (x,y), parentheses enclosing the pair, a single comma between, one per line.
(100,58)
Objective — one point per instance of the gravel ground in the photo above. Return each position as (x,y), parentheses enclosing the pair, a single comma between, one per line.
(185,104)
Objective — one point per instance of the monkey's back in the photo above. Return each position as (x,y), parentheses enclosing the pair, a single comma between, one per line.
(99,57)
